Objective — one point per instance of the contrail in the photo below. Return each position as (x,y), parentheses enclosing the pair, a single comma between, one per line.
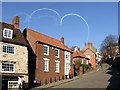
(74,14)
(41,10)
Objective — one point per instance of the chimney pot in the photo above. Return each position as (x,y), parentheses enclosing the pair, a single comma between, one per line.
(16,22)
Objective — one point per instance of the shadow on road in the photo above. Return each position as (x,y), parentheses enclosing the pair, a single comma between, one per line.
(114,79)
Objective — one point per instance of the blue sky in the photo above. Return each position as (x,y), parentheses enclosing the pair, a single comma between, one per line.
(101,17)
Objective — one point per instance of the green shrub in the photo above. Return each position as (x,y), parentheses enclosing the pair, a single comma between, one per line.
(87,66)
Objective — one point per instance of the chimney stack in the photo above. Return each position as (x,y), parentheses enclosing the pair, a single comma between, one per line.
(16,22)
(85,43)
(89,44)
(62,40)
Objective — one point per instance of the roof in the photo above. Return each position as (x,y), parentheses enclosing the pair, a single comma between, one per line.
(46,39)
(17,38)
(90,47)
(78,53)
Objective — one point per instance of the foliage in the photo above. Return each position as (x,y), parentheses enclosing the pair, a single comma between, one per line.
(107,44)
(87,66)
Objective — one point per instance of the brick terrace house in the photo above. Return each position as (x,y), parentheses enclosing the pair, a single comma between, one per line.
(90,51)
(79,57)
(49,59)
(13,55)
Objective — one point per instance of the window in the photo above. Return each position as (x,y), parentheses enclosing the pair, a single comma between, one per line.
(68,55)
(46,64)
(82,61)
(8,49)
(46,50)
(67,68)
(13,84)
(57,65)
(88,56)
(57,53)
(7,67)
(7,33)
(87,62)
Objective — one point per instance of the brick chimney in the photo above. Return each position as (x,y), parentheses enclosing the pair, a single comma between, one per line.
(89,44)
(16,22)
(85,43)
(62,40)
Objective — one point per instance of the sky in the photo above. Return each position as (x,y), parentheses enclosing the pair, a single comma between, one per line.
(77,22)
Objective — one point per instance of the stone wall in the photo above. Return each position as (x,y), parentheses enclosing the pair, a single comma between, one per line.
(20,59)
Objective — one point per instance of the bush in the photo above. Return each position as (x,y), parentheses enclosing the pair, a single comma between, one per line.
(86,66)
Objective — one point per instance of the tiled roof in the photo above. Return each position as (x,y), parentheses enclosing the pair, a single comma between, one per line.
(78,53)
(17,37)
(46,39)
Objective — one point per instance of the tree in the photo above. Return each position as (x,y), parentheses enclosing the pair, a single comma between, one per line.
(107,46)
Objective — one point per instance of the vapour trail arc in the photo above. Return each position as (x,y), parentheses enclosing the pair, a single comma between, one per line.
(74,14)
(41,10)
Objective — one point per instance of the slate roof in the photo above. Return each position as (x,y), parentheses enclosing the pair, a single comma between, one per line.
(17,37)
(46,39)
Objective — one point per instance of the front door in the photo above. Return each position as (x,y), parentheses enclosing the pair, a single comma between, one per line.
(4,84)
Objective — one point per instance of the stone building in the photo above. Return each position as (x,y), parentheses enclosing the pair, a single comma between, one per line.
(13,55)
(79,58)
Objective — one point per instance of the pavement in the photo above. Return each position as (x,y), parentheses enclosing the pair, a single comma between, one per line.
(55,84)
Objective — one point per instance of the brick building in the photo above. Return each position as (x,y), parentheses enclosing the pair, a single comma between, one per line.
(90,51)
(79,58)
(13,55)
(49,59)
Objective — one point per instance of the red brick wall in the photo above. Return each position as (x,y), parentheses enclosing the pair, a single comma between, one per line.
(40,74)
(92,57)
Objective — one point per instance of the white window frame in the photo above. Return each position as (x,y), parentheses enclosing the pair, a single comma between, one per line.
(67,68)
(58,56)
(47,49)
(67,61)
(46,59)
(56,61)
(87,62)
(6,50)
(8,71)
(9,30)
(88,56)
(82,61)
(67,54)
(13,82)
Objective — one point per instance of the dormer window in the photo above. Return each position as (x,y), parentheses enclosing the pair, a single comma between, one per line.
(7,33)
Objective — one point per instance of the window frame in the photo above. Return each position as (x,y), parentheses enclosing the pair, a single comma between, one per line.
(7,50)
(67,56)
(87,62)
(67,68)
(88,56)
(9,67)
(12,84)
(46,59)
(58,56)
(57,62)
(8,30)
(47,49)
